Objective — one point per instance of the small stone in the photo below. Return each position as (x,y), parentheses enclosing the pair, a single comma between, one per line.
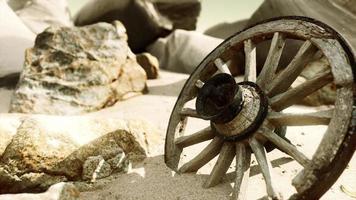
(95,167)
(150,64)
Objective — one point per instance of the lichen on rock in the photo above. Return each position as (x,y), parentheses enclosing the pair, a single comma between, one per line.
(74,70)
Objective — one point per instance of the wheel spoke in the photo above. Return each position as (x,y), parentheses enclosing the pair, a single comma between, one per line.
(295,95)
(285,146)
(203,157)
(304,119)
(274,55)
(250,61)
(266,167)
(223,163)
(223,67)
(285,79)
(195,138)
(189,112)
(243,161)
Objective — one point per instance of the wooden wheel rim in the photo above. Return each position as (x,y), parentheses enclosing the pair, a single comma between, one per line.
(332,143)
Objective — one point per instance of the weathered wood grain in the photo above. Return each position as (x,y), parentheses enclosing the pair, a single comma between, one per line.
(195,138)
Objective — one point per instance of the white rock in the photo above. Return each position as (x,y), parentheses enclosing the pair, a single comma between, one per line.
(40,14)
(182,50)
(59,191)
(15,37)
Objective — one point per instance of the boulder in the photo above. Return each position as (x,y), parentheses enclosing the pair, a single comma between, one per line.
(142,21)
(183,50)
(15,38)
(59,191)
(150,64)
(226,29)
(49,149)
(33,13)
(183,14)
(78,70)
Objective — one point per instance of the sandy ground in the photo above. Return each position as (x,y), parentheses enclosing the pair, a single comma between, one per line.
(152,180)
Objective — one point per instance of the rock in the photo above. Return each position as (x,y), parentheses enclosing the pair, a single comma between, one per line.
(182,50)
(142,21)
(184,14)
(95,167)
(120,163)
(225,30)
(150,64)
(327,94)
(50,149)
(33,13)
(77,70)
(15,37)
(59,191)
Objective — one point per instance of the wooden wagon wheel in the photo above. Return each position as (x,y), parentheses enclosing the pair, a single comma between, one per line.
(243,116)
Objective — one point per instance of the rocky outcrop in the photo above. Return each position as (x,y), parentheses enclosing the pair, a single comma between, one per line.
(143,22)
(45,150)
(40,14)
(150,64)
(59,191)
(184,14)
(78,70)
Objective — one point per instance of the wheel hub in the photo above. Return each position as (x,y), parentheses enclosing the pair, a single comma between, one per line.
(235,110)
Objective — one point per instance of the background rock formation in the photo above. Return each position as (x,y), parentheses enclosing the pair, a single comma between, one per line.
(77,70)
(142,21)
(37,15)
(184,13)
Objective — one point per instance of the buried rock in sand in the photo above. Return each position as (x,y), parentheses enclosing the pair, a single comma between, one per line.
(45,150)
